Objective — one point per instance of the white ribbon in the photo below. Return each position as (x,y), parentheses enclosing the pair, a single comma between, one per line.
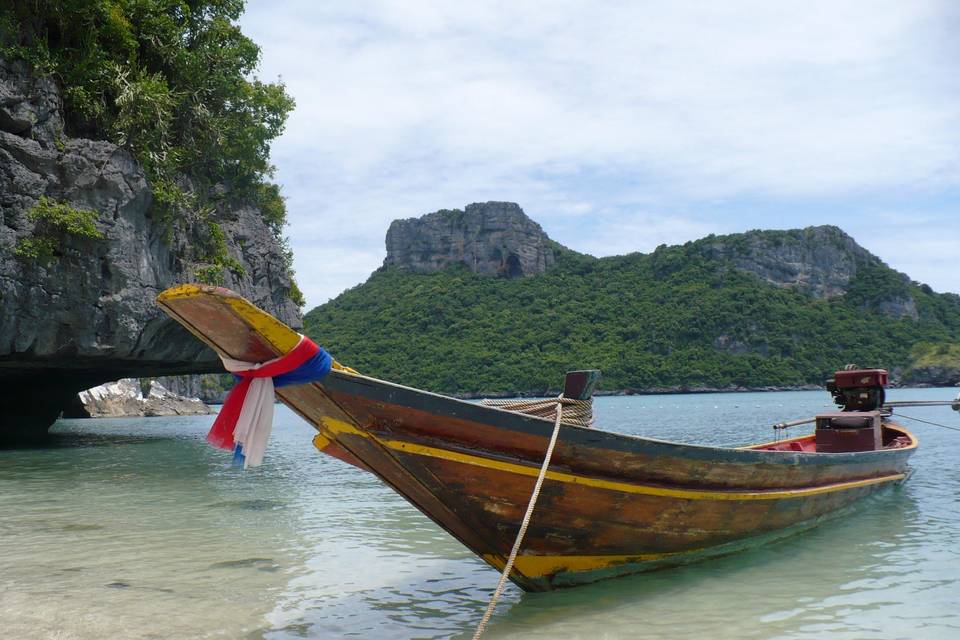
(256,417)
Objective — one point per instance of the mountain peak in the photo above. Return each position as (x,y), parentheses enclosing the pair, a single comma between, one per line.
(490,238)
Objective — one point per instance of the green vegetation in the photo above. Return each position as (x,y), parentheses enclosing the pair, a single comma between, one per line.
(216,258)
(53,220)
(295,294)
(171,81)
(673,318)
(926,356)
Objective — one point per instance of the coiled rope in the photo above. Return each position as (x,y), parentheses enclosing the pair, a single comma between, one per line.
(566,410)
(576,412)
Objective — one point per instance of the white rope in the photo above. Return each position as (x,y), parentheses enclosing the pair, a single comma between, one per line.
(577,412)
(523,526)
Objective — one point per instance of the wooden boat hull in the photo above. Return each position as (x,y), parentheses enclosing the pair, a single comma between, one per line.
(611,504)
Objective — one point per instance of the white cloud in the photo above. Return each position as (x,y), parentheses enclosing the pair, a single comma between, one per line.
(925,247)
(601,117)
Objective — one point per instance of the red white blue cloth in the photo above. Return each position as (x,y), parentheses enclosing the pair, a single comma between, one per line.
(246,418)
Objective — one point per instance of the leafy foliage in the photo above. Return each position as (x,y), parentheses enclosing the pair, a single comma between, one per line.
(167,78)
(171,81)
(295,294)
(925,355)
(53,219)
(671,319)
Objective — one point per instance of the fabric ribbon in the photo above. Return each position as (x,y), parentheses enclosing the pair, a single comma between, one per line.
(246,418)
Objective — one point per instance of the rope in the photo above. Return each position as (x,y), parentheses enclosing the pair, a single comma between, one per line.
(953,404)
(575,412)
(936,424)
(558,409)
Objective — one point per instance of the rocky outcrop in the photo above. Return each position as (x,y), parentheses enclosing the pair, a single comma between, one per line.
(490,238)
(820,260)
(29,105)
(899,307)
(87,314)
(932,376)
(210,388)
(125,398)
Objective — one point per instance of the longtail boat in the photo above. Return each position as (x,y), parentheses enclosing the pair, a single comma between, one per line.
(611,504)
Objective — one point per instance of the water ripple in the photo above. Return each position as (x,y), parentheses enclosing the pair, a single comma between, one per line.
(137,529)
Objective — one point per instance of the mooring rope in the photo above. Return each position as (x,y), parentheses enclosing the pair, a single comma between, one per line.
(936,424)
(558,405)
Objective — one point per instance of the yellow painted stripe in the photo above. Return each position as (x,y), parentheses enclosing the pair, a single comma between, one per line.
(321,441)
(614,485)
(180,291)
(282,337)
(278,334)
(338,427)
(538,566)
(275,332)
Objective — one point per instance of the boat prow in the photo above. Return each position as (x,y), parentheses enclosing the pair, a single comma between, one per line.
(611,505)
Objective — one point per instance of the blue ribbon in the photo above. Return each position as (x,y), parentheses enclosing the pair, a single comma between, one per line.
(313,370)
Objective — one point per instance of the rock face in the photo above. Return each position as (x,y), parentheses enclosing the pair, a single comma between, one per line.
(210,388)
(821,261)
(87,315)
(124,398)
(29,106)
(491,238)
(932,376)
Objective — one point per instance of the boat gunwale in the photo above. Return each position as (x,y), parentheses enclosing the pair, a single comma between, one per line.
(542,427)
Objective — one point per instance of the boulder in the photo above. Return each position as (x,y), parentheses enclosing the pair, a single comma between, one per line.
(124,398)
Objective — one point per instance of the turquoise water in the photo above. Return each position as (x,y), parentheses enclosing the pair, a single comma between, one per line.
(138,529)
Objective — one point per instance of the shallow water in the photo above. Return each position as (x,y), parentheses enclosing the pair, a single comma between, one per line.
(137,529)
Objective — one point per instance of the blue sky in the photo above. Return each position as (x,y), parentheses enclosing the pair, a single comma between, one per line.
(618,126)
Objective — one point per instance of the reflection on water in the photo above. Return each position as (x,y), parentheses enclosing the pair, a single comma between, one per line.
(138,529)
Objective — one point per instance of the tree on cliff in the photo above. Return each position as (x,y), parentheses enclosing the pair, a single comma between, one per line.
(170,80)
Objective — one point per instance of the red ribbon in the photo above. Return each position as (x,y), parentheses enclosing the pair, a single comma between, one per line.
(221,433)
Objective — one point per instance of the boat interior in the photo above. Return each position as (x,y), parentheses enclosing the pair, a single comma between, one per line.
(891,438)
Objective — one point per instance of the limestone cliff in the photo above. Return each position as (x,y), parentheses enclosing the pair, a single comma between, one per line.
(211,388)
(86,314)
(821,261)
(490,238)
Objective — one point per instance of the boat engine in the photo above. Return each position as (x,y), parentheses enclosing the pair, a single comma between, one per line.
(855,389)
(859,424)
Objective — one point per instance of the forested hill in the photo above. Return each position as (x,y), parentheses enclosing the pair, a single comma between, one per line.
(764,308)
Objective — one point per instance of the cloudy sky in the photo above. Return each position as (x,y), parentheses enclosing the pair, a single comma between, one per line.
(618,126)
